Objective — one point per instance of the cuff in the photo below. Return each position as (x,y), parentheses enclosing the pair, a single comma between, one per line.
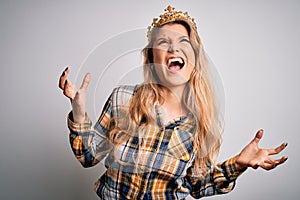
(232,172)
(82,127)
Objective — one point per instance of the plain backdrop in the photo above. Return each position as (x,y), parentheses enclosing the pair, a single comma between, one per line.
(255,48)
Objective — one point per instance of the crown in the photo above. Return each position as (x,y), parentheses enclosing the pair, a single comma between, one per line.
(171,15)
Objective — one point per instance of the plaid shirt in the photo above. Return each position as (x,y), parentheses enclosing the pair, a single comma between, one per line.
(157,164)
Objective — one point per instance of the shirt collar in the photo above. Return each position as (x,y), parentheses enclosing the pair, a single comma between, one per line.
(161,122)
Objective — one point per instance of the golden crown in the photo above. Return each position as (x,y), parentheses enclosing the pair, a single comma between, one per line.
(171,15)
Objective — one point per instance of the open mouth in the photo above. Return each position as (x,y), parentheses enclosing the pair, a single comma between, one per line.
(175,64)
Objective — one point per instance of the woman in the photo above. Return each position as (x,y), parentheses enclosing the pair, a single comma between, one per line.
(161,138)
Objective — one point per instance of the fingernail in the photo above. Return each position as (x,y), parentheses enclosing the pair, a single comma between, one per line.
(286,144)
(262,130)
(66,68)
(63,73)
(66,82)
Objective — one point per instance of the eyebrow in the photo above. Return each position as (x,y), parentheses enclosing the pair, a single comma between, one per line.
(161,38)
(184,36)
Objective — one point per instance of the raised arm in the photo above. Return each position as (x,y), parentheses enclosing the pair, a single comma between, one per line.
(221,179)
(89,144)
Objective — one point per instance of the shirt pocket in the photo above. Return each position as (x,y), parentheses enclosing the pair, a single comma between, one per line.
(180,145)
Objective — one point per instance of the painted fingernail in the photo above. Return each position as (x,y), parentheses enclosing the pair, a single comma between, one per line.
(63,73)
(66,68)
(286,144)
(66,82)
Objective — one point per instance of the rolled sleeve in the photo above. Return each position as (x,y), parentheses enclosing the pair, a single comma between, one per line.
(220,180)
(230,169)
(226,174)
(82,127)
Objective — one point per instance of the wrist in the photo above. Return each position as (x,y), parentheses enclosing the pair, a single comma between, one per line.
(239,164)
(78,118)
(78,113)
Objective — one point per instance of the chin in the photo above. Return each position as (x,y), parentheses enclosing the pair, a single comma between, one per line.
(170,83)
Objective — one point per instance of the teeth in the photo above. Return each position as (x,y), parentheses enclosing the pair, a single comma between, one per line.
(175,60)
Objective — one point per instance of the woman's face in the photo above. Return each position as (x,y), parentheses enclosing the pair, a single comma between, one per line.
(173,55)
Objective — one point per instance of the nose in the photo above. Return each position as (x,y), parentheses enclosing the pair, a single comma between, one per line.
(173,48)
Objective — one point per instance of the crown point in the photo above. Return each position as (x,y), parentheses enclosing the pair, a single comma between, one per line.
(154,20)
(169,8)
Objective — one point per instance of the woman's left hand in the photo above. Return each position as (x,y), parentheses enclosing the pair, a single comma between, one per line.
(253,156)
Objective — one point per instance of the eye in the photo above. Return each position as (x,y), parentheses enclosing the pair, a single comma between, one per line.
(162,41)
(185,40)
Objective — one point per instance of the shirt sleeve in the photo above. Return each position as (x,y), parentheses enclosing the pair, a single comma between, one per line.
(90,144)
(220,179)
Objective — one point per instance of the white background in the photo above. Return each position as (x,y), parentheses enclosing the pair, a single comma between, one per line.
(254,45)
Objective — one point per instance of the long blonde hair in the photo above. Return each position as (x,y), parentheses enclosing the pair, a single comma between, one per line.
(199,99)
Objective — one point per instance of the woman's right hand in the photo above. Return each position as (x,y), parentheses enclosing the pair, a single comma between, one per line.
(76,95)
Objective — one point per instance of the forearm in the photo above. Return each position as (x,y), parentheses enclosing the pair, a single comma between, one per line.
(225,175)
(219,180)
(88,147)
(78,111)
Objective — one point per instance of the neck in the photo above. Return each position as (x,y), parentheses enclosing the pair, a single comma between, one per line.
(174,97)
(175,93)
(173,104)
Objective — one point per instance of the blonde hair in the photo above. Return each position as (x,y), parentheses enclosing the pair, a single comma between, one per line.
(199,99)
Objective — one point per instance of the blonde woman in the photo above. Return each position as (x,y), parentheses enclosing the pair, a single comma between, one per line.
(160,139)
